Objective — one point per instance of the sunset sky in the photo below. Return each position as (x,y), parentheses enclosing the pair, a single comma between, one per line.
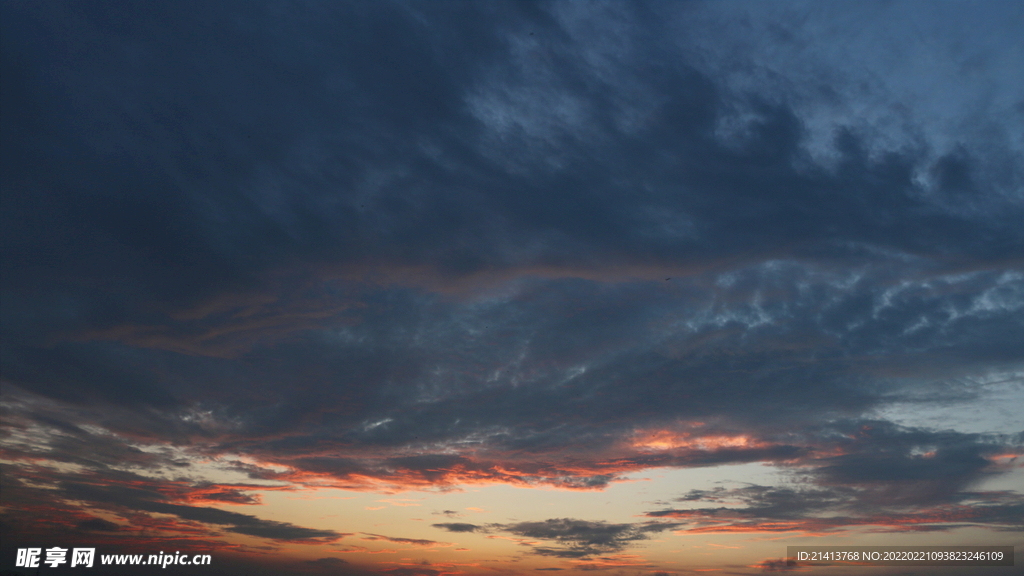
(444,288)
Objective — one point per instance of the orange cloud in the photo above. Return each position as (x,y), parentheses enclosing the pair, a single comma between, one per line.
(664,440)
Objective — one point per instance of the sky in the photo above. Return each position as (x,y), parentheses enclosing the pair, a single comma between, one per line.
(440,288)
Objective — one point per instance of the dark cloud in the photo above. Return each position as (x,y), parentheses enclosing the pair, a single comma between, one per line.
(576,538)
(911,465)
(412,541)
(777,565)
(225,494)
(327,562)
(278,159)
(457,527)
(821,511)
(125,492)
(884,476)
(417,571)
(448,513)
